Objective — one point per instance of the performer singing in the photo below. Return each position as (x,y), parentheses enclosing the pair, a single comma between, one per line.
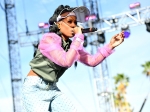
(55,54)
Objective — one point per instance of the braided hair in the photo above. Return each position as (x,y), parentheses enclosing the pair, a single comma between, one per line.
(53,27)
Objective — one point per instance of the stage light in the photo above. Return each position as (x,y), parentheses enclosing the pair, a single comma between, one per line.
(111,21)
(75,64)
(91,17)
(147,23)
(125,27)
(126,30)
(104,94)
(127,34)
(101,37)
(135,5)
(115,20)
(43,25)
(85,41)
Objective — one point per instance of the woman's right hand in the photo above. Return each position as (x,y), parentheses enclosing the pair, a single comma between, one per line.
(77,30)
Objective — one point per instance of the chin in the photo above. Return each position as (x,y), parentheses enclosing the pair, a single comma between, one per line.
(73,35)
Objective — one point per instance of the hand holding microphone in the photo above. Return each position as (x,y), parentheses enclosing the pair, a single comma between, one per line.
(86,30)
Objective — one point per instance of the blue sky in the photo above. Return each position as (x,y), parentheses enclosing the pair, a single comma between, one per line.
(78,83)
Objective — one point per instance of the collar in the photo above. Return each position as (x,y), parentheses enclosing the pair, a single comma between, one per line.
(66,44)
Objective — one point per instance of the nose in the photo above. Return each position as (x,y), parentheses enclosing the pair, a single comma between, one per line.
(73,25)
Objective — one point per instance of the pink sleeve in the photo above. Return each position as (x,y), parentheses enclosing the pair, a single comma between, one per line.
(93,60)
(50,47)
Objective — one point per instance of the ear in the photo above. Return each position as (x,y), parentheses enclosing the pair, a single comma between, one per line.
(58,25)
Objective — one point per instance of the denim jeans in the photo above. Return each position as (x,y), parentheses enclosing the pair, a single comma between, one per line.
(38,96)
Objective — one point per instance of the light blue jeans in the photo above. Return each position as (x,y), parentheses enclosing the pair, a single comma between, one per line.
(37,96)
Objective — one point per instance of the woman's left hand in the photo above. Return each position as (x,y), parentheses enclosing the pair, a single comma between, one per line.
(116,40)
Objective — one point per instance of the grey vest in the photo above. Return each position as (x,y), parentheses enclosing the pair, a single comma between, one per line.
(47,69)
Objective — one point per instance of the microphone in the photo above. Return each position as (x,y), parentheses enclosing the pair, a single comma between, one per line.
(87,30)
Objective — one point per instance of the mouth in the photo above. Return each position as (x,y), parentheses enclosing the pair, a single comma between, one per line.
(72,32)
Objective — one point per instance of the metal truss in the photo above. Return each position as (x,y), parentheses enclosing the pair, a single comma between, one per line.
(14,54)
(131,18)
(108,24)
(33,37)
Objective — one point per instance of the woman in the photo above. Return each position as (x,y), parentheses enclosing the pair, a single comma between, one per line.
(55,54)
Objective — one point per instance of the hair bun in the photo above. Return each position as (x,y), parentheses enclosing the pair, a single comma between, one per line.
(57,12)
(55,15)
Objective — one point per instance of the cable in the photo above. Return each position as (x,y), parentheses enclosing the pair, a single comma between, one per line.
(100,10)
(45,8)
(4,58)
(77,2)
(92,87)
(24,10)
(4,11)
(1,83)
(0,78)
(2,7)
(144,102)
(20,26)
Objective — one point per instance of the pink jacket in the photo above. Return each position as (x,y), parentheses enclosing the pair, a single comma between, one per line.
(50,46)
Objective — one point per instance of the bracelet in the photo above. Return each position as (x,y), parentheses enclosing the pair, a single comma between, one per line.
(80,40)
